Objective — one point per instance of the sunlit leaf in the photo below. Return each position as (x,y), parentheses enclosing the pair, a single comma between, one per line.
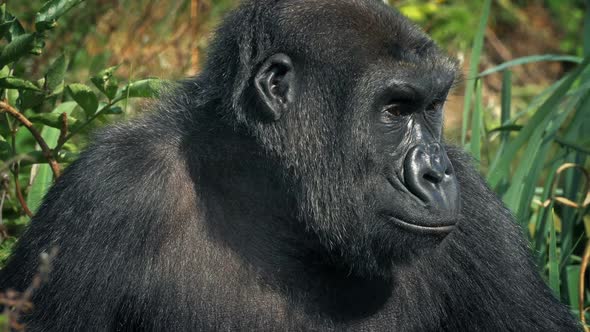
(148,88)
(56,72)
(53,120)
(531,59)
(106,82)
(20,46)
(17,83)
(51,11)
(84,96)
(44,176)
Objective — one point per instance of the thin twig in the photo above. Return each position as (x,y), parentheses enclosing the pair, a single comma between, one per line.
(19,194)
(5,107)
(63,133)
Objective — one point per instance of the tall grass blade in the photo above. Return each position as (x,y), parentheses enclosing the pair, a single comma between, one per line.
(476,121)
(530,59)
(553,259)
(586,34)
(527,174)
(500,169)
(474,66)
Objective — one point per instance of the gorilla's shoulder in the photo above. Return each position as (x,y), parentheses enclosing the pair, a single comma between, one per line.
(144,152)
(147,138)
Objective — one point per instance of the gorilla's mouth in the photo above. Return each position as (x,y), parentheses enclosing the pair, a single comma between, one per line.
(441,228)
(423,229)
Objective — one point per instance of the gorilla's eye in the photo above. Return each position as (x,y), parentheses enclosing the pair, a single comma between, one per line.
(394,109)
(400,106)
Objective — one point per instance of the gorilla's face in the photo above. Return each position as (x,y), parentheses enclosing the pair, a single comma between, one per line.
(418,191)
(360,130)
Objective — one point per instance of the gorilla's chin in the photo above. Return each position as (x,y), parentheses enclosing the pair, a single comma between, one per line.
(377,248)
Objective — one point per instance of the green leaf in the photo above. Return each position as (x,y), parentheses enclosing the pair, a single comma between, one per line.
(476,121)
(535,126)
(20,46)
(553,255)
(474,66)
(65,107)
(573,279)
(580,147)
(44,176)
(10,27)
(148,88)
(53,120)
(29,99)
(5,27)
(17,83)
(106,82)
(541,229)
(13,28)
(36,157)
(506,128)
(531,59)
(3,13)
(506,103)
(51,11)
(586,31)
(85,97)
(56,72)
(13,96)
(4,72)
(16,30)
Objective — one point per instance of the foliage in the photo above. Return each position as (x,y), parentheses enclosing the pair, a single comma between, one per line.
(537,161)
(44,120)
(446,20)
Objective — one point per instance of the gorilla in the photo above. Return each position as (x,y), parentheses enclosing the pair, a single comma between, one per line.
(300,183)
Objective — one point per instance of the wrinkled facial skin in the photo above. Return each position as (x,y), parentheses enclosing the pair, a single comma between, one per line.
(420,193)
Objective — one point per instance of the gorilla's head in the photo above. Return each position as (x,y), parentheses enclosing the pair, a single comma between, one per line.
(348,96)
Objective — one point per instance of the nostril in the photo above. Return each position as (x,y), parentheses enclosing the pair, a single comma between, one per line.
(433,177)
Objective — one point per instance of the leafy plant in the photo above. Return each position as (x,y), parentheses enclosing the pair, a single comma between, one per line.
(44,120)
(540,163)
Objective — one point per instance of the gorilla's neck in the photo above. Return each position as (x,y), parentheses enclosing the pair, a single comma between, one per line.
(251,210)
(247,205)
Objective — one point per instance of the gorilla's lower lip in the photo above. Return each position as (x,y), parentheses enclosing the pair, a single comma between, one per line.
(423,229)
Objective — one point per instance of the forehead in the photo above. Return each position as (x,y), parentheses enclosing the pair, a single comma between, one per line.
(354,30)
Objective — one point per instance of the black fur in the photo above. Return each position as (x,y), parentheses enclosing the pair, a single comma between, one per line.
(205,215)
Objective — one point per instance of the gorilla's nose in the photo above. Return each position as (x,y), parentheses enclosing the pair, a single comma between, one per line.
(429,175)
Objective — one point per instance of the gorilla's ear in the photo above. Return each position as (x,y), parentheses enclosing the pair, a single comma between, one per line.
(275,85)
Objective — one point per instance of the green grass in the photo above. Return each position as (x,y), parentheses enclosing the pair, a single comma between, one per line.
(536,159)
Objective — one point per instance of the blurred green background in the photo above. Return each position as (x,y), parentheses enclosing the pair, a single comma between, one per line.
(168,39)
(522,109)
